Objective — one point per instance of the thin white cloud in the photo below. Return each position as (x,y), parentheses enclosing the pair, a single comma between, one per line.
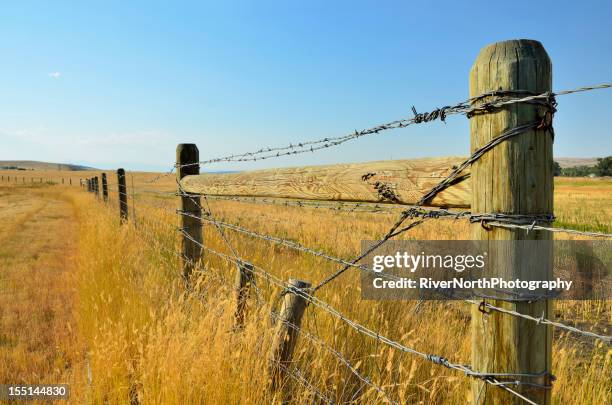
(55,75)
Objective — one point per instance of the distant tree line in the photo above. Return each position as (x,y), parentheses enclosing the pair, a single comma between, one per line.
(602,168)
(12,168)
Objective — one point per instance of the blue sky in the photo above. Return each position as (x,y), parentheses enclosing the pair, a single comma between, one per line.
(121,83)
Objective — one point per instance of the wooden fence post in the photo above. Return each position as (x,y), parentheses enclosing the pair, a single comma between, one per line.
(96,187)
(516,177)
(122,191)
(189,210)
(89,185)
(244,280)
(286,334)
(70,181)
(104,188)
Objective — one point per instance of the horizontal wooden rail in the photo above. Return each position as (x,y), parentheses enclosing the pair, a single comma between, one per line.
(392,181)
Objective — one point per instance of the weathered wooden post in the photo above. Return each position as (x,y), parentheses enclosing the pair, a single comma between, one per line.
(62,180)
(96,187)
(104,188)
(122,191)
(70,181)
(89,185)
(244,279)
(287,331)
(187,161)
(516,177)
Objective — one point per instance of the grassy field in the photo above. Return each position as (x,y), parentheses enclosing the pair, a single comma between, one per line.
(101,306)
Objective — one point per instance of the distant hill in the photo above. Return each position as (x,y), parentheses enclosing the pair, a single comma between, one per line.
(566,162)
(35,165)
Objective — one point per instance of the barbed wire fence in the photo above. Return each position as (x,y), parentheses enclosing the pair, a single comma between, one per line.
(409,218)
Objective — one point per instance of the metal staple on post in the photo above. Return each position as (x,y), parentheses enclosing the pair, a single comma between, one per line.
(285,337)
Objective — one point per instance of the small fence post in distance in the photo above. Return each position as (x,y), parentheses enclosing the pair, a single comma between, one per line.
(96,188)
(187,160)
(122,191)
(514,178)
(244,279)
(104,188)
(70,181)
(285,337)
(88,185)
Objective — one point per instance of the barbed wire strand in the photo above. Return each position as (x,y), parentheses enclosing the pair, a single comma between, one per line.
(535,227)
(542,320)
(465,108)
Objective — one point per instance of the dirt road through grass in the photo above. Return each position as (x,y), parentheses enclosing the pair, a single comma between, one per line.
(38,235)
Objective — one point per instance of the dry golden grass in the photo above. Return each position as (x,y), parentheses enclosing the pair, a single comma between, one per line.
(145,339)
(38,332)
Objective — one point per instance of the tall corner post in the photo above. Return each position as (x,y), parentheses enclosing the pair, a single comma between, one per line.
(190,211)
(516,177)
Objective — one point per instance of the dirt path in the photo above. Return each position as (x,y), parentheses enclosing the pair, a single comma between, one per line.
(37,330)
